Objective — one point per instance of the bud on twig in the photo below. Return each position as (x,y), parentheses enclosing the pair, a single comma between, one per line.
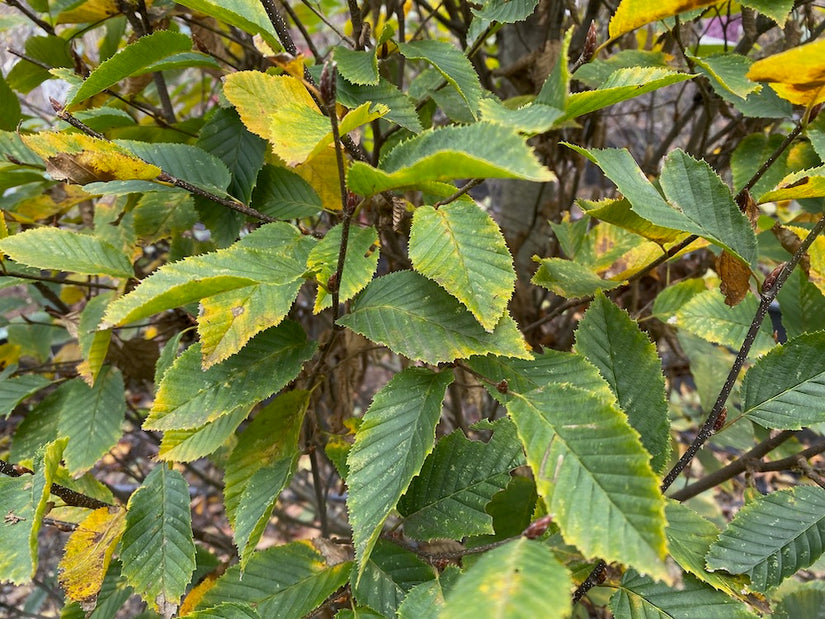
(502,386)
(720,420)
(590,43)
(328,85)
(770,280)
(352,202)
(537,528)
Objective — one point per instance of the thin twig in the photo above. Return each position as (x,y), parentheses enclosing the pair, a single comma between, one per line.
(467,187)
(69,496)
(57,280)
(31,15)
(319,492)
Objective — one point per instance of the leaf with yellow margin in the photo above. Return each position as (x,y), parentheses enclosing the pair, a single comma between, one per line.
(321,172)
(91,11)
(89,551)
(83,159)
(797,75)
(631,14)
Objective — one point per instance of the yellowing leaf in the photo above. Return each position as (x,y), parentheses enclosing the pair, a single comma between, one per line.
(89,551)
(89,11)
(321,172)
(631,14)
(83,159)
(256,95)
(797,75)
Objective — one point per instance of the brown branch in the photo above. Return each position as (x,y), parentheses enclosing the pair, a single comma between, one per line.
(69,496)
(31,15)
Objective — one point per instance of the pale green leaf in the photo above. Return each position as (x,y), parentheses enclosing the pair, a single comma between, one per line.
(520,580)
(453,65)
(426,601)
(226,610)
(640,597)
(569,279)
(359,265)
(773,537)
(131,60)
(39,427)
(462,249)
(628,361)
(94,344)
(784,390)
(91,419)
(282,194)
(481,150)
(64,250)
(414,317)
(727,71)
(189,397)
(595,72)
(14,390)
(189,445)
(157,549)
(284,581)
(357,66)
(458,479)
(594,475)
(397,433)
(506,11)
(401,106)
(250,17)
(531,119)
(183,60)
(777,10)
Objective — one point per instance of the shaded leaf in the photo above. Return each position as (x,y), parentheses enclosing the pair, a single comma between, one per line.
(506,11)
(226,610)
(806,600)
(777,10)
(283,194)
(401,106)
(801,303)
(248,16)
(14,390)
(531,119)
(569,279)
(357,66)
(727,71)
(93,344)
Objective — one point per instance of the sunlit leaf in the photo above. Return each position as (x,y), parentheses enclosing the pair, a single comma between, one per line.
(630,14)
(617,211)
(249,17)
(797,74)
(401,106)
(798,185)
(191,444)
(727,71)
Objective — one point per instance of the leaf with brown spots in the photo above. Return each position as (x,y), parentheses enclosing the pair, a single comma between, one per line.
(735,276)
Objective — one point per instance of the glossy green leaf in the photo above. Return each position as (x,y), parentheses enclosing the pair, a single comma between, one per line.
(249,17)
(462,249)
(569,279)
(777,10)
(773,537)
(131,60)
(628,361)
(284,581)
(640,597)
(14,390)
(357,66)
(64,250)
(520,580)
(594,474)
(458,479)
(189,397)
(91,419)
(401,107)
(157,549)
(397,433)
(359,265)
(506,11)
(784,389)
(282,194)
(226,137)
(481,150)
(453,65)
(191,444)
(414,317)
(727,71)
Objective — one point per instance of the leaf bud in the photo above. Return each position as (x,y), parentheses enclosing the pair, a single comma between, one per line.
(328,85)
(352,202)
(590,43)
(720,420)
(537,528)
(332,282)
(770,280)
(502,386)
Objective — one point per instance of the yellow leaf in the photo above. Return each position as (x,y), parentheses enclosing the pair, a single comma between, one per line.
(55,201)
(197,592)
(797,75)
(257,95)
(90,11)
(83,159)
(631,14)
(89,551)
(322,173)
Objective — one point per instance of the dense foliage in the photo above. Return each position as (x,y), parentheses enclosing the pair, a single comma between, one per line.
(496,309)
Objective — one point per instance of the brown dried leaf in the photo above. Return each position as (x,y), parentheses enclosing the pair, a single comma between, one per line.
(735,276)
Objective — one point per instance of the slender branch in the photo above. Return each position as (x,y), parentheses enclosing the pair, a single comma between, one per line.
(809,471)
(319,492)
(357,23)
(31,15)
(771,160)
(304,32)
(157,76)
(69,496)
(467,187)
(57,280)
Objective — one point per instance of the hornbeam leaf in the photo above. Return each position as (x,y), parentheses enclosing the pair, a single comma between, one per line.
(282,194)
(808,183)
(14,390)
(506,11)
(414,317)
(189,397)
(777,10)
(617,211)
(397,433)
(773,537)
(451,63)
(480,150)
(457,481)
(226,610)
(568,278)
(357,66)
(594,475)
(797,75)
(630,14)
(94,344)
(284,581)
(520,580)
(627,360)
(401,106)
(157,549)
(727,71)
(134,59)
(189,445)
(531,119)
(785,388)
(461,248)
(64,250)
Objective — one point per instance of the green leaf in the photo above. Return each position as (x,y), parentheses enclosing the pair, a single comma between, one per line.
(727,71)
(784,389)
(356,66)
(157,549)
(14,390)
(183,60)
(451,63)
(282,194)
(426,601)
(39,427)
(191,444)
(750,154)
(91,418)
(462,249)
(397,433)
(414,317)
(707,316)
(627,360)
(226,137)
(520,580)
(777,10)
(284,581)
(226,610)
(556,88)
(640,597)
(594,475)
(64,250)
(189,397)
(621,85)
(389,574)
(569,279)
(458,479)
(805,600)
(93,344)
(248,16)
(359,265)
(506,11)
(531,119)
(131,60)
(481,150)
(801,303)
(808,183)
(753,544)
(9,107)
(401,106)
